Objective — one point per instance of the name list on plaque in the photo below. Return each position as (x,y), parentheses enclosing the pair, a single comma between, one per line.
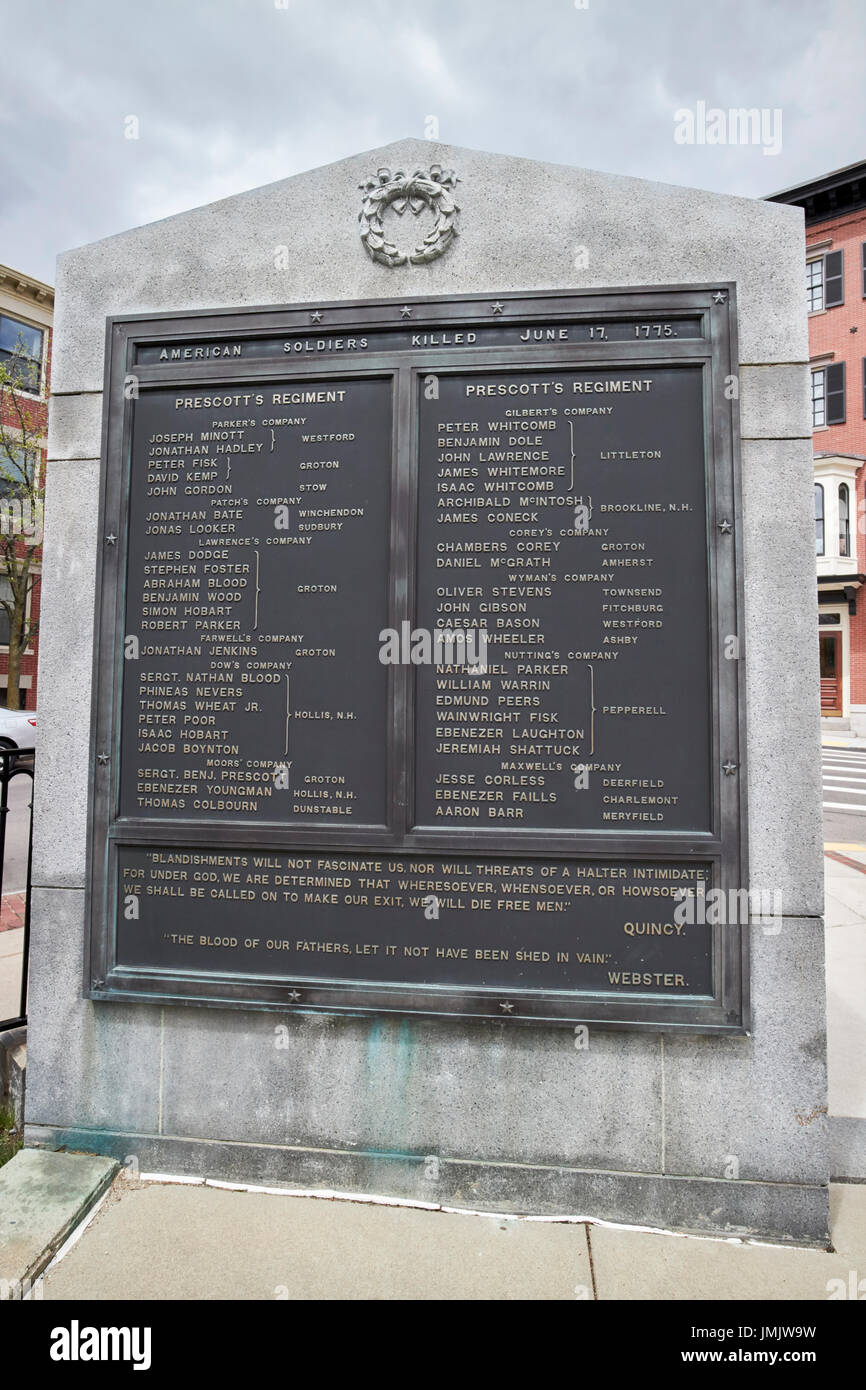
(414,646)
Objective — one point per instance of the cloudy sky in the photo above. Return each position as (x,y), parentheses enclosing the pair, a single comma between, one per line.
(229,94)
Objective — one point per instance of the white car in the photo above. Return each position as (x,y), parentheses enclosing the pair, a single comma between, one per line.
(17,728)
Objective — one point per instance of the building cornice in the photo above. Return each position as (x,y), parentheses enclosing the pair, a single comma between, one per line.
(828,196)
(26,287)
(834,454)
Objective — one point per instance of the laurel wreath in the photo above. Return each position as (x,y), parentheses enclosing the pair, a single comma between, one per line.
(433,188)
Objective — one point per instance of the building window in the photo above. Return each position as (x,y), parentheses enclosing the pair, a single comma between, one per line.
(815,285)
(844,523)
(863,265)
(14,478)
(819,519)
(819,398)
(828,395)
(825,281)
(28,342)
(6,593)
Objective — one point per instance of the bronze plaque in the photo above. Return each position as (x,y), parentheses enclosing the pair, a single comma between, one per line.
(419,685)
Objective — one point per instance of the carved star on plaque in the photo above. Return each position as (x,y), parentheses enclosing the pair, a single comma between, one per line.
(729,768)
(405,312)
(110,539)
(506,1007)
(294,995)
(725,527)
(720,297)
(316,315)
(102,758)
(497,307)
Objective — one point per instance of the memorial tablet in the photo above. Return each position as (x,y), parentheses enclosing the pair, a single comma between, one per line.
(419,682)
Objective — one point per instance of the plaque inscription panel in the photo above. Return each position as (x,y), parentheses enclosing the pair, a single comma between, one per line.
(415,688)
(257,534)
(596,644)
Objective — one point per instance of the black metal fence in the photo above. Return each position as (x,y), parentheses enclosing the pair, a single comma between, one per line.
(16,762)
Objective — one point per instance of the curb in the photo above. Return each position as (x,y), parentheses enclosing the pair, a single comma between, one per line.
(43,1197)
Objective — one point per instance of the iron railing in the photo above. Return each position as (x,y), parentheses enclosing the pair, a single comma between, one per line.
(17,762)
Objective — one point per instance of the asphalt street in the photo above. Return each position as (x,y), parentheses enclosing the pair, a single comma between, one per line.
(844,798)
(17,833)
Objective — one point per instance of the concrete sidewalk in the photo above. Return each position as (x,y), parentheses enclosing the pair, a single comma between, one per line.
(155,1240)
(196,1240)
(11,960)
(845,937)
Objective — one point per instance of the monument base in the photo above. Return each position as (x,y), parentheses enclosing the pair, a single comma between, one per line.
(793,1213)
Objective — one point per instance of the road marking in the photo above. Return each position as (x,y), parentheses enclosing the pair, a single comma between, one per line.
(843,775)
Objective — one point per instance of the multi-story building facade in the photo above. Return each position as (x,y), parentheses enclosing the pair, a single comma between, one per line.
(835,289)
(26,317)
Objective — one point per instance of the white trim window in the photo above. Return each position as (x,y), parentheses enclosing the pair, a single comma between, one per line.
(819,519)
(815,285)
(6,593)
(825,282)
(844,521)
(819,398)
(29,341)
(835,515)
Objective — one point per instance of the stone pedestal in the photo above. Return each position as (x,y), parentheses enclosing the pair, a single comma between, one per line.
(721,1134)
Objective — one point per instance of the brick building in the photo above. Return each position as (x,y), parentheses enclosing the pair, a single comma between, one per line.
(835,272)
(26,316)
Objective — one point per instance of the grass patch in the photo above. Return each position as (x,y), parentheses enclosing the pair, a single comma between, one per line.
(10,1139)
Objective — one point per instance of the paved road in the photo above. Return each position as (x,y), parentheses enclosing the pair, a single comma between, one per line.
(844,798)
(17,833)
(14,881)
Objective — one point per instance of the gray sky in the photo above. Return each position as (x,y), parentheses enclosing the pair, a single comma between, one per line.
(230,94)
